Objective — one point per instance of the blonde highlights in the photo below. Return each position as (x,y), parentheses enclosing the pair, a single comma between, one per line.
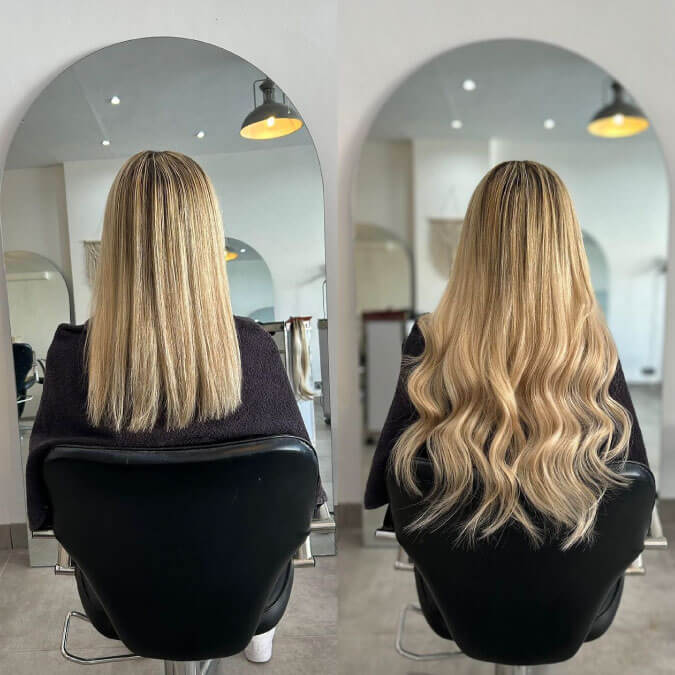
(162,344)
(512,388)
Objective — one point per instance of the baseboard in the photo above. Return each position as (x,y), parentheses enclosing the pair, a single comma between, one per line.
(13,535)
(349,515)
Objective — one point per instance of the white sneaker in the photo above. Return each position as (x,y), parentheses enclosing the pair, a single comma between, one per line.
(259,649)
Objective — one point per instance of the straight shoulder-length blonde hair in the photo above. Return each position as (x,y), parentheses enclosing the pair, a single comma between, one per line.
(161,344)
(512,388)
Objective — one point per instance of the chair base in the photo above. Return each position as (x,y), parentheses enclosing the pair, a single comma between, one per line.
(414,656)
(170,667)
(187,667)
(438,656)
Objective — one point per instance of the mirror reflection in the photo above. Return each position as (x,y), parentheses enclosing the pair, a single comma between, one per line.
(436,137)
(241,128)
(522,334)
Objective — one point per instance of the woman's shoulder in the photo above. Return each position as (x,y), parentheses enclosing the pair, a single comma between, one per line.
(252,335)
(414,343)
(67,338)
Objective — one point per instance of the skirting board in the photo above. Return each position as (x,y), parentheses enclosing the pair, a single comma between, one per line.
(13,535)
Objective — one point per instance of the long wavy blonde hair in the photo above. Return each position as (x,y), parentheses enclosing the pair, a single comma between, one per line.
(512,388)
(161,343)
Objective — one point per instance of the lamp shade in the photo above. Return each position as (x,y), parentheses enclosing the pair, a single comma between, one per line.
(230,255)
(619,119)
(270,119)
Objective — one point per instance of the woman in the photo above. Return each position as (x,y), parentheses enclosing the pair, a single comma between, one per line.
(512,386)
(162,362)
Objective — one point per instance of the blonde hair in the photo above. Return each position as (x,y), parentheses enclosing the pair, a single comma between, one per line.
(161,344)
(512,388)
(300,359)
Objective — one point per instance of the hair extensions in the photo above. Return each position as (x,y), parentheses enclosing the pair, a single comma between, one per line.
(512,388)
(300,359)
(161,345)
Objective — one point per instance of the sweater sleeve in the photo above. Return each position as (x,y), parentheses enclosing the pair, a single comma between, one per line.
(618,390)
(401,415)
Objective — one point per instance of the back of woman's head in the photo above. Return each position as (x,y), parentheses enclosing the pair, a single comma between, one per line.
(161,344)
(512,389)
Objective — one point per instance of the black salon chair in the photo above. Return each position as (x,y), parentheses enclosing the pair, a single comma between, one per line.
(183,554)
(515,606)
(25,372)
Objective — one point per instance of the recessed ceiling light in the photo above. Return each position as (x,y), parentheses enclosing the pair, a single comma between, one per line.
(114,100)
(242,250)
(549,123)
(468,85)
(105,142)
(456,124)
(200,134)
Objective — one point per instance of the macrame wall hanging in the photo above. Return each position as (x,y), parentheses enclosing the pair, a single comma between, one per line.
(92,252)
(443,240)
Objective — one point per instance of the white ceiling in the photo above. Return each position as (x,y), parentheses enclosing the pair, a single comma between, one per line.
(169,89)
(519,85)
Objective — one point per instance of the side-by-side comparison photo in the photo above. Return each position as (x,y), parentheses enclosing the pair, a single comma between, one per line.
(338,338)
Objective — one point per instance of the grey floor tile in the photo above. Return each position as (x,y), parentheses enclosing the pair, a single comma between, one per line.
(292,656)
(34,602)
(52,663)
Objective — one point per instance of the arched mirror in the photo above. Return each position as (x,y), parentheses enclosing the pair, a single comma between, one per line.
(168,93)
(469,109)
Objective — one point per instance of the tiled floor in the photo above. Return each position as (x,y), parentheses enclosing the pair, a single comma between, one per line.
(33,604)
(641,640)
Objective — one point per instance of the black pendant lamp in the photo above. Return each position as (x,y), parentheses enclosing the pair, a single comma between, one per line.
(270,119)
(619,119)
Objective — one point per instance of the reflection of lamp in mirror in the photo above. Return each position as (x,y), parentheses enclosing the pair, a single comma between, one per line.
(618,119)
(270,119)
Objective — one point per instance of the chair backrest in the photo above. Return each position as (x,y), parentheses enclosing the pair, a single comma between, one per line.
(507,602)
(183,546)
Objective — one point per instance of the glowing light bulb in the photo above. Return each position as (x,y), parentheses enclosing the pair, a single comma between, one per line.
(456,124)
(115,100)
(549,124)
(271,121)
(105,142)
(618,119)
(468,85)
(200,134)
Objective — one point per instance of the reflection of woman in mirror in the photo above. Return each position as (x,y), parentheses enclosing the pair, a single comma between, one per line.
(162,362)
(512,387)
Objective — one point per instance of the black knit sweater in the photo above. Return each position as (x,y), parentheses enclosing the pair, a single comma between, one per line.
(402,414)
(268,408)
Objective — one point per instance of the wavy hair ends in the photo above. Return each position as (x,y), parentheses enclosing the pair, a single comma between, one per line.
(162,345)
(512,388)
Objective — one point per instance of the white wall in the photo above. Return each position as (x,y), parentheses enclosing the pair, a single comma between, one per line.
(33,213)
(382,193)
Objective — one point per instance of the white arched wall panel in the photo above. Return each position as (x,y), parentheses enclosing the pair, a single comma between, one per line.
(379,48)
(294,42)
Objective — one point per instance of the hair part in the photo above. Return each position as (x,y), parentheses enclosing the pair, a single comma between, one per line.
(512,388)
(162,345)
